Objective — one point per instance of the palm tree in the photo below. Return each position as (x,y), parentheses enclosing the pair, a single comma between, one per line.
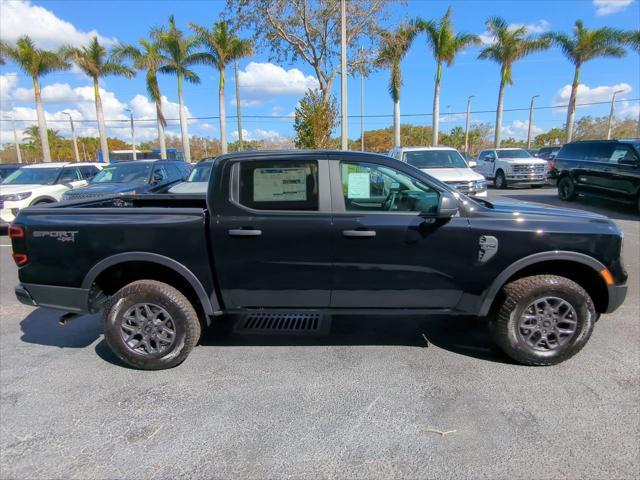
(509,45)
(223,48)
(177,56)
(394,45)
(95,63)
(632,39)
(583,46)
(148,58)
(35,63)
(445,45)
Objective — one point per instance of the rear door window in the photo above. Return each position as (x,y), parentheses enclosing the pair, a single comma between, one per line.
(599,152)
(279,185)
(573,151)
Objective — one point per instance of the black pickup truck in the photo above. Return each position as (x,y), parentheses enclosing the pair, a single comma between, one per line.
(285,238)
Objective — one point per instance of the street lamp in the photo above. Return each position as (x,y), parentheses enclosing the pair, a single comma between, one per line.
(530,121)
(613,102)
(466,130)
(73,135)
(133,134)
(343,75)
(15,139)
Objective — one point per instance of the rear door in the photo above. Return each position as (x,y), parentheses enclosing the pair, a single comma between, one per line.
(390,250)
(272,233)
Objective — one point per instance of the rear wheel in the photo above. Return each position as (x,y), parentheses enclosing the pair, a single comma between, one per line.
(567,189)
(500,181)
(543,320)
(150,325)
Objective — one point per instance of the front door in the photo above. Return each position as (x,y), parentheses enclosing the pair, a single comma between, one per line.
(272,236)
(390,249)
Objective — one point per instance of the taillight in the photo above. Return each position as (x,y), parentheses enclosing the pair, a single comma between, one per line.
(20,258)
(16,231)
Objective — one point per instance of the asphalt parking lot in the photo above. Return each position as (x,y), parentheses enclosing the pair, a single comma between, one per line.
(365,402)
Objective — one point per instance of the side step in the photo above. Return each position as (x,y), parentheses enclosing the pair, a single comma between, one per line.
(282,323)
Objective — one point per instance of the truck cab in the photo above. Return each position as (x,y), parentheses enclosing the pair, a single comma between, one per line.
(508,166)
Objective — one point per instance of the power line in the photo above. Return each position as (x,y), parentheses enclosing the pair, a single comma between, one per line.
(380,115)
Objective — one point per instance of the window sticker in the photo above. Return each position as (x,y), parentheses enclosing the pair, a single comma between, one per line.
(618,154)
(279,184)
(359,185)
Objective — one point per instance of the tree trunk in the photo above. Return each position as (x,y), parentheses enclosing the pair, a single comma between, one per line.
(42,123)
(571,110)
(183,123)
(396,123)
(223,114)
(102,131)
(498,133)
(161,139)
(240,139)
(436,106)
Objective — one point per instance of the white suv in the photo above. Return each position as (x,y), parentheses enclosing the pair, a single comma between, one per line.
(39,183)
(445,164)
(512,165)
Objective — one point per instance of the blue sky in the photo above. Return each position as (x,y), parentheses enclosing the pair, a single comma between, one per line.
(274,89)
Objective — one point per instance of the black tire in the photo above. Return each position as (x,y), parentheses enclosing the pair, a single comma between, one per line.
(567,189)
(515,340)
(170,309)
(500,181)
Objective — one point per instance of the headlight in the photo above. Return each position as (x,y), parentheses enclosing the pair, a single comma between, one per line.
(16,197)
(480,185)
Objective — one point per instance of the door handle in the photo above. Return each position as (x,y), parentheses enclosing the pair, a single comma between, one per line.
(240,232)
(359,233)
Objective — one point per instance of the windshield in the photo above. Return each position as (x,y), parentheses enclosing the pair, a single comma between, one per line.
(38,176)
(129,173)
(200,173)
(513,154)
(435,159)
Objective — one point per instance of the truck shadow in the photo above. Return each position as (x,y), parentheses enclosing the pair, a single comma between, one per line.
(41,327)
(461,335)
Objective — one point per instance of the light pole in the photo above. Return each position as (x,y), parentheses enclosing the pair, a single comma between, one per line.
(343,72)
(15,140)
(133,134)
(613,102)
(73,136)
(362,109)
(466,129)
(530,121)
(240,140)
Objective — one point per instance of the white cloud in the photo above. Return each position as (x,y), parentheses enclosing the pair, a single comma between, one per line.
(8,81)
(626,109)
(590,95)
(518,129)
(453,117)
(21,17)
(607,7)
(541,26)
(259,134)
(260,80)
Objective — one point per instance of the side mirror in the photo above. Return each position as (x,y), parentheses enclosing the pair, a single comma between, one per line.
(473,164)
(488,158)
(447,206)
(630,162)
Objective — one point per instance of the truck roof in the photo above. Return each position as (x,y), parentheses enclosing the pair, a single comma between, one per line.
(425,148)
(280,154)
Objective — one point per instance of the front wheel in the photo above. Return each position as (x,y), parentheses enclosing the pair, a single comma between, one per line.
(150,325)
(500,181)
(567,189)
(543,320)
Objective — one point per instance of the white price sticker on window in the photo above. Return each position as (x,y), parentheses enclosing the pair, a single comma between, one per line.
(359,185)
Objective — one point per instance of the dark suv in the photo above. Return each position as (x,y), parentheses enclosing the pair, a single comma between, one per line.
(605,168)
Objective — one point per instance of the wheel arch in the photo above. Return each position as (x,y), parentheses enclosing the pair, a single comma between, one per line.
(125,261)
(43,198)
(581,268)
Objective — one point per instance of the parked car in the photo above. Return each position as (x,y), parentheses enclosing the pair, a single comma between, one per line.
(284,239)
(135,177)
(198,179)
(604,168)
(7,168)
(508,166)
(38,183)
(446,164)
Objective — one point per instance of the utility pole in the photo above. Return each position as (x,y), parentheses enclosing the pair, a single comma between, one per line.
(84,152)
(15,140)
(613,102)
(362,109)
(133,134)
(240,146)
(343,72)
(530,121)
(466,129)
(73,136)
